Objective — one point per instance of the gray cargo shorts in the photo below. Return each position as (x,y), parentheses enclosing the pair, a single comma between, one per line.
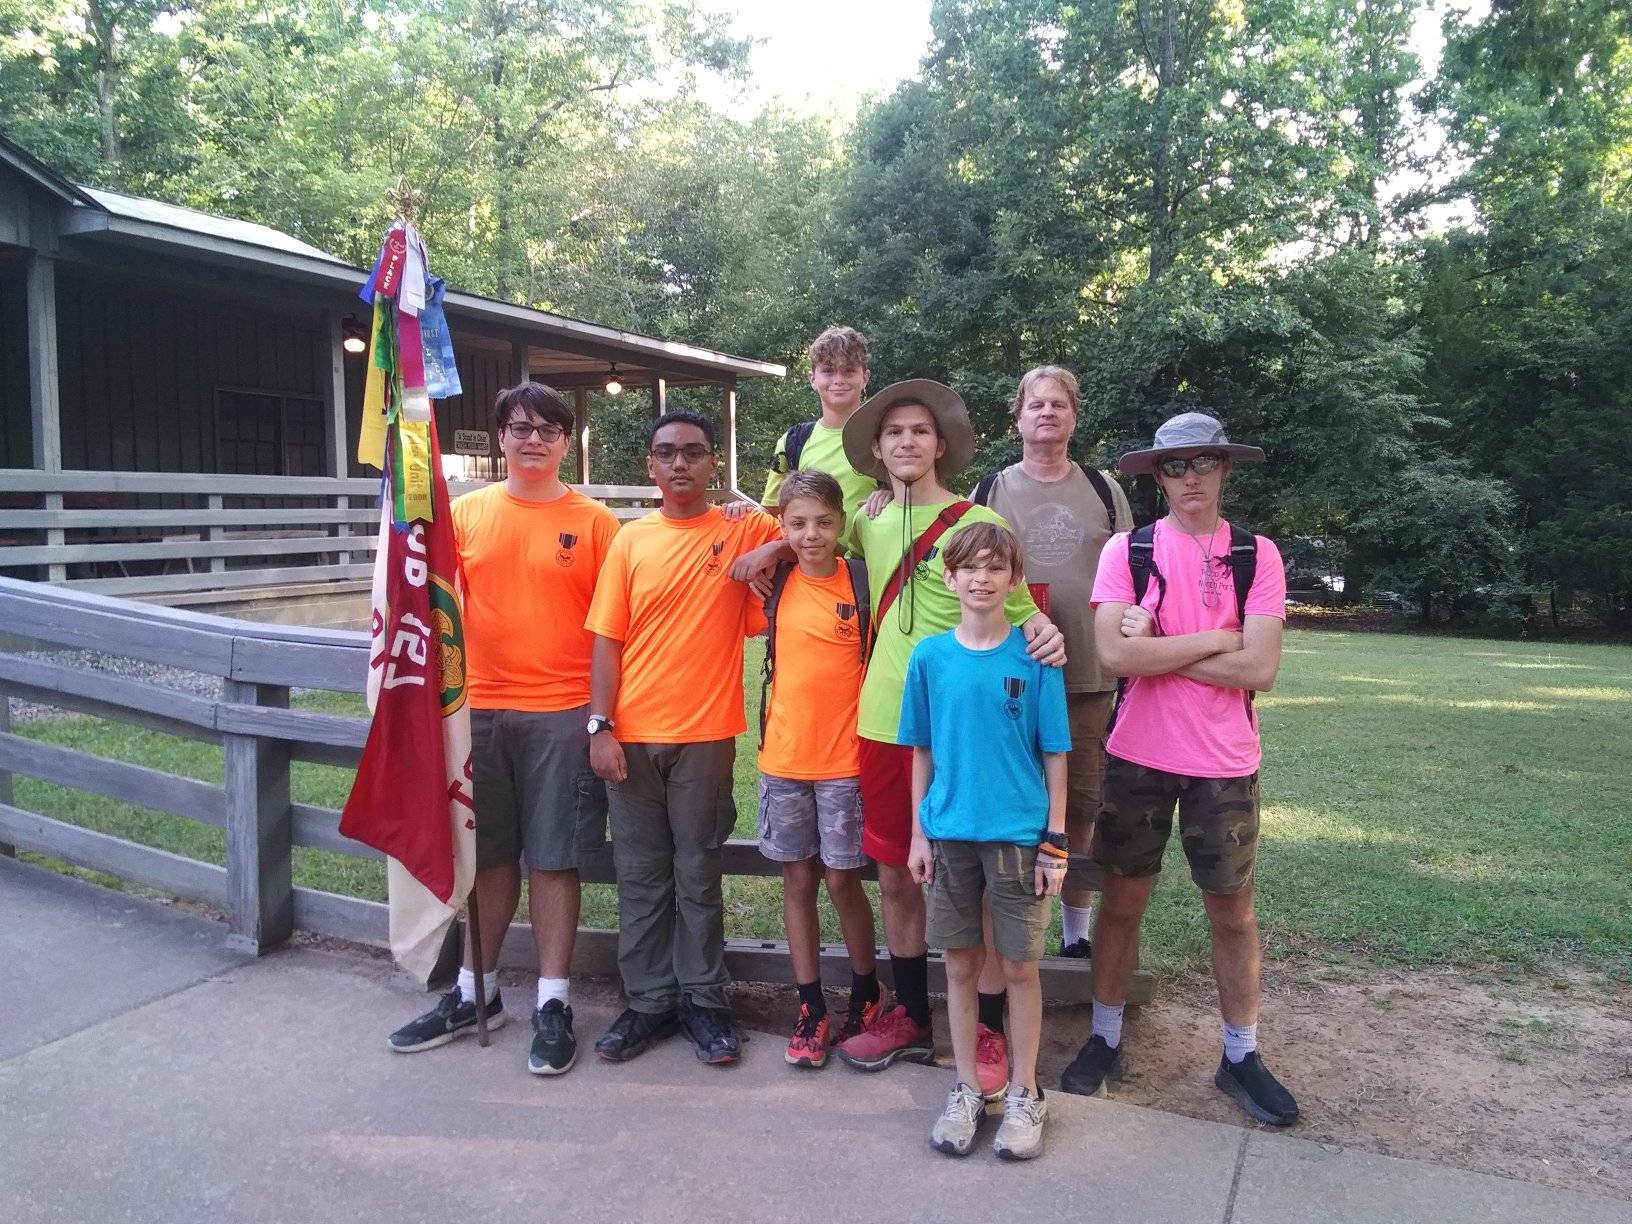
(536,796)
(801,819)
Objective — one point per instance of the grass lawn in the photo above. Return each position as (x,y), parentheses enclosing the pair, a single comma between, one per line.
(1426,800)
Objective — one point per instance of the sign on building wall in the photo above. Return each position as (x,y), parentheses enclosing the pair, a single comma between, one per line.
(472,442)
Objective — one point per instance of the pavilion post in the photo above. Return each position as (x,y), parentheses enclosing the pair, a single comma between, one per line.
(728,431)
(580,444)
(660,396)
(520,362)
(44,386)
(334,394)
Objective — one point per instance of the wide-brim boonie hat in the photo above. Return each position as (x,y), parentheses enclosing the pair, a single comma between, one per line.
(1189,433)
(944,404)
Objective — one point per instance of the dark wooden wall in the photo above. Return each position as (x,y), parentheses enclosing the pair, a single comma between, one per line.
(15,445)
(141,368)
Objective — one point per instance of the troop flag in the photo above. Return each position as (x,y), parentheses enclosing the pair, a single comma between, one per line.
(412,796)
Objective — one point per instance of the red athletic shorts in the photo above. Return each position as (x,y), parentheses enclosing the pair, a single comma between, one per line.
(886,801)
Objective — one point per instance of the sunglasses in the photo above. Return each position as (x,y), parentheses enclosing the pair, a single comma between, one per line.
(1201,465)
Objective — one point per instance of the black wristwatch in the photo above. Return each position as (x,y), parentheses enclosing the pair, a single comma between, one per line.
(1058,840)
(599,723)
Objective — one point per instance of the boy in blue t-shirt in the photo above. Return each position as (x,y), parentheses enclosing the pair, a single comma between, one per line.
(989,734)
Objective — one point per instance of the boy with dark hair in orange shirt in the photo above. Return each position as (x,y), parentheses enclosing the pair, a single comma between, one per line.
(809,763)
(530,550)
(666,708)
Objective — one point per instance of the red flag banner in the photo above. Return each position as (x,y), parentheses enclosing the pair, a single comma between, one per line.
(412,796)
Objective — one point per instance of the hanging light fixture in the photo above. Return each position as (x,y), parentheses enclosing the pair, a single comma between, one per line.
(351,329)
(614,385)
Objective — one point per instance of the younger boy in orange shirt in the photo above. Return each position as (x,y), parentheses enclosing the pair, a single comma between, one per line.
(809,762)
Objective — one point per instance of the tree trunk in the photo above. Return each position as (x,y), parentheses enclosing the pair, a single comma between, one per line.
(1161,176)
(107,82)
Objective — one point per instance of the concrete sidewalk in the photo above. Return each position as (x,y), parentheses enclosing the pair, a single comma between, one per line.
(147,1074)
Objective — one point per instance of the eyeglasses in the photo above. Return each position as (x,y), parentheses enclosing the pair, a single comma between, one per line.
(522,430)
(692,453)
(1199,464)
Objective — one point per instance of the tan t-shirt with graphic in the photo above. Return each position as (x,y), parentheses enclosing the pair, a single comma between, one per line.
(1062,526)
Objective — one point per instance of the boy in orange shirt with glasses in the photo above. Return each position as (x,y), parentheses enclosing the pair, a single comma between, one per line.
(809,757)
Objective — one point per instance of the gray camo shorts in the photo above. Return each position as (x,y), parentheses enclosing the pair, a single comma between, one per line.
(799,820)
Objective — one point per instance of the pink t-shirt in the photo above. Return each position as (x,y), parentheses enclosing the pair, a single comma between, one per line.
(1171,722)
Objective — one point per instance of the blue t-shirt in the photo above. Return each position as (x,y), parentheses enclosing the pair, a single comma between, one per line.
(988,716)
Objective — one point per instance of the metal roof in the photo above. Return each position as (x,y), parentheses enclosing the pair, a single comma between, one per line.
(170,229)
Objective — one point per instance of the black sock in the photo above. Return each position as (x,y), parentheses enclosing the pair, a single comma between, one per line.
(991,1009)
(810,994)
(912,985)
(863,988)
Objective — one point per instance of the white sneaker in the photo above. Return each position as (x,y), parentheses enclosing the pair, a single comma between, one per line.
(954,1131)
(1020,1137)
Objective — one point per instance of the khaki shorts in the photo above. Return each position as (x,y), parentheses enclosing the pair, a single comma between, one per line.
(1090,714)
(1218,824)
(1006,875)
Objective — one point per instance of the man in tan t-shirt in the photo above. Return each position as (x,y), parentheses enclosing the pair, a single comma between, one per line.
(1058,510)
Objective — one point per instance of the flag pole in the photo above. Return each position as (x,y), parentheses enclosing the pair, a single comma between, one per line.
(406,202)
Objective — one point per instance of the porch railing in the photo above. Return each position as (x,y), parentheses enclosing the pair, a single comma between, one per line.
(251,718)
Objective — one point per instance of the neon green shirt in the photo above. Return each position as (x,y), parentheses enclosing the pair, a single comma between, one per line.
(824,451)
(924,608)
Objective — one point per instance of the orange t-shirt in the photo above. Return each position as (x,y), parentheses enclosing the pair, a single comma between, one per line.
(811,732)
(529,571)
(664,593)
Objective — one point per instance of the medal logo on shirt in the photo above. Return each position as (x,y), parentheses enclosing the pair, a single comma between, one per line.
(563,556)
(712,565)
(846,613)
(922,572)
(1013,686)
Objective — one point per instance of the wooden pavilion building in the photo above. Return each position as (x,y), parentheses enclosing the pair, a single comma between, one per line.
(179,408)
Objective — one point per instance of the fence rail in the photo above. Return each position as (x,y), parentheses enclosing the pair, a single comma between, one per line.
(257,665)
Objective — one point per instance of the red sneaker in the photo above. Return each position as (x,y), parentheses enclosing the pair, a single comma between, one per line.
(991,1062)
(860,1017)
(892,1037)
(808,1045)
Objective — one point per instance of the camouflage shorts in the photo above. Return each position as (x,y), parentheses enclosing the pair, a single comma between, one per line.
(1218,824)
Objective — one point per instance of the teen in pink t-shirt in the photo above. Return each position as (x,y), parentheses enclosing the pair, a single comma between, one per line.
(1185,739)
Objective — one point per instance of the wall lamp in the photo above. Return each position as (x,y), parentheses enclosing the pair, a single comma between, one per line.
(355,340)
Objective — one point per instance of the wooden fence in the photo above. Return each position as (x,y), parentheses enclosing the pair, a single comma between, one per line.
(257,666)
(167,533)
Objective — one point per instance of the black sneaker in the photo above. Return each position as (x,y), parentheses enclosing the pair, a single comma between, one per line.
(712,1031)
(633,1031)
(1258,1092)
(1080,950)
(1095,1063)
(450,1018)
(555,1049)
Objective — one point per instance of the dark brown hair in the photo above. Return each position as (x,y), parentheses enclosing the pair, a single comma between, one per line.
(968,544)
(543,401)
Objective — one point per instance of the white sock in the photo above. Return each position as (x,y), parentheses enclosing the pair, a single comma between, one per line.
(1108,1023)
(552,988)
(467,985)
(1239,1041)
(1076,922)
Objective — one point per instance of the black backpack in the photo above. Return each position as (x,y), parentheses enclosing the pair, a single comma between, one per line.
(864,623)
(798,435)
(983,490)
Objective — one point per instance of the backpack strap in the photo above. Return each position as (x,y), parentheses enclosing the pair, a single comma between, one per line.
(1243,563)
(1142,565)
(794,447)
(1103,488)
(864,606)
(767,671)
(982,495)
(918,553)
